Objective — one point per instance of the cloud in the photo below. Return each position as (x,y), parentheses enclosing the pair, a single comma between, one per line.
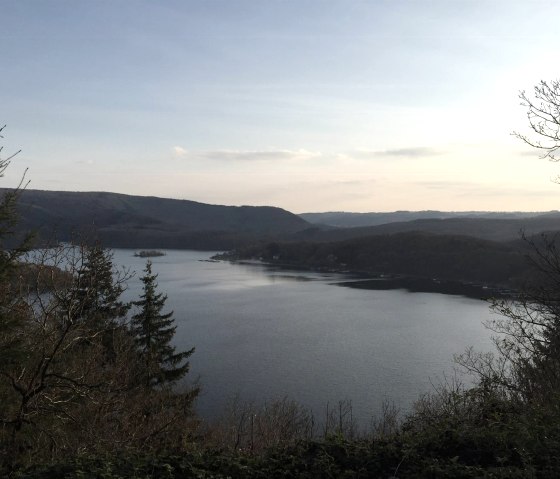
(535,153)
(446,185)
(472,189)
(251,155)
(179,151)
(413,152)
(352,182)
(511,192)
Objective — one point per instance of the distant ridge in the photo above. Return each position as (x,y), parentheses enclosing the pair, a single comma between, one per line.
(120,220)
(494,229)
(344,219)
(148,222)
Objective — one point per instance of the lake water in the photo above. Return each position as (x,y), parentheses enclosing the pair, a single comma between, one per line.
(264,334)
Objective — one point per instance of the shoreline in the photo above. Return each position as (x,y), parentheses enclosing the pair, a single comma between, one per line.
(360,279)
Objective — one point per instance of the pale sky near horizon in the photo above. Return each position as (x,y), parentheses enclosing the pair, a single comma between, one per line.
(307,105)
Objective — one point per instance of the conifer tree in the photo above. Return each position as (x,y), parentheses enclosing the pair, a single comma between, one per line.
(97,293)
(93,298)
(153,331)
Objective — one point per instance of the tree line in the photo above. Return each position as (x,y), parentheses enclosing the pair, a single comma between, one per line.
(415,254)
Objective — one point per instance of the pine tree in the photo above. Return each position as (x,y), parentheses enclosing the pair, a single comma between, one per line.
(96,292)
(153,333)
(93,299)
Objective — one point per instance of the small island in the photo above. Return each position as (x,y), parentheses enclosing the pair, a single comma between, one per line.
(149,253)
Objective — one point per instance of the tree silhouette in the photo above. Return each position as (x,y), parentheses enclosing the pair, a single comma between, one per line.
(98,290)
(543,115)
(154,331)
(12,249)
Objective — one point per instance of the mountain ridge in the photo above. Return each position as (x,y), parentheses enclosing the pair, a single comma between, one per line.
(347,219)
(120,220)
(131,221)
(494,229)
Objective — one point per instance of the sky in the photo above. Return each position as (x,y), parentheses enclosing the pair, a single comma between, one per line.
(311,106)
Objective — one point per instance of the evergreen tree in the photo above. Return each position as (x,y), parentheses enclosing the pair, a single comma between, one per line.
(96,292)
(93,299)
(153,331)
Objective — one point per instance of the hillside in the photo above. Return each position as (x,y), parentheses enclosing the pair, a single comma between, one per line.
(149,222)
(494,229)
(415,254)
(343,219)
(120,220)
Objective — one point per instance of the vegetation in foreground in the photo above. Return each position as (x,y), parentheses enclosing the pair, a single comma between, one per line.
(83,396)
(76,375)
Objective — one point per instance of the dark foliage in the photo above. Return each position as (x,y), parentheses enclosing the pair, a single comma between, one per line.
(96,290)
(10,305)
(460,258)
(153,332)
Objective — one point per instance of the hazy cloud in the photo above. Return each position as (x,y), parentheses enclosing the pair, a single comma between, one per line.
(179,151)
(352,182)
(252,155)
(414,152)
(515,192)
(464,188)
(447,185)
(534,152)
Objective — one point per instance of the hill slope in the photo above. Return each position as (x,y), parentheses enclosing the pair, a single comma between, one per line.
(140,221)
(421,255)
(495,229)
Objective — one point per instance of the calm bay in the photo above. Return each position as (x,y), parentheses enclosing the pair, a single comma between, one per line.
(263,333)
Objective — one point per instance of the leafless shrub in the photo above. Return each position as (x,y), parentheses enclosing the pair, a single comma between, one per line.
(339,420)
(252,427)
(387,423)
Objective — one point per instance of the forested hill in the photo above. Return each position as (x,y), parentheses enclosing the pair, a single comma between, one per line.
(120,220)
(421,255)
(140,221)
(495,229)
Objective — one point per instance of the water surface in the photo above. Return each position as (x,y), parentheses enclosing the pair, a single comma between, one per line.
(264,333)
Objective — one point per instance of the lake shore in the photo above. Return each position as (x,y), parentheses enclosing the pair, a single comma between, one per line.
(383,282)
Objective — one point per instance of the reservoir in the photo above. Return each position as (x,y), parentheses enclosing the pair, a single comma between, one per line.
(263,333)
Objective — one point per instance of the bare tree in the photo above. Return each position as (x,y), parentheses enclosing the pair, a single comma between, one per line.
(543,114)
(10,252)
(526,363)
